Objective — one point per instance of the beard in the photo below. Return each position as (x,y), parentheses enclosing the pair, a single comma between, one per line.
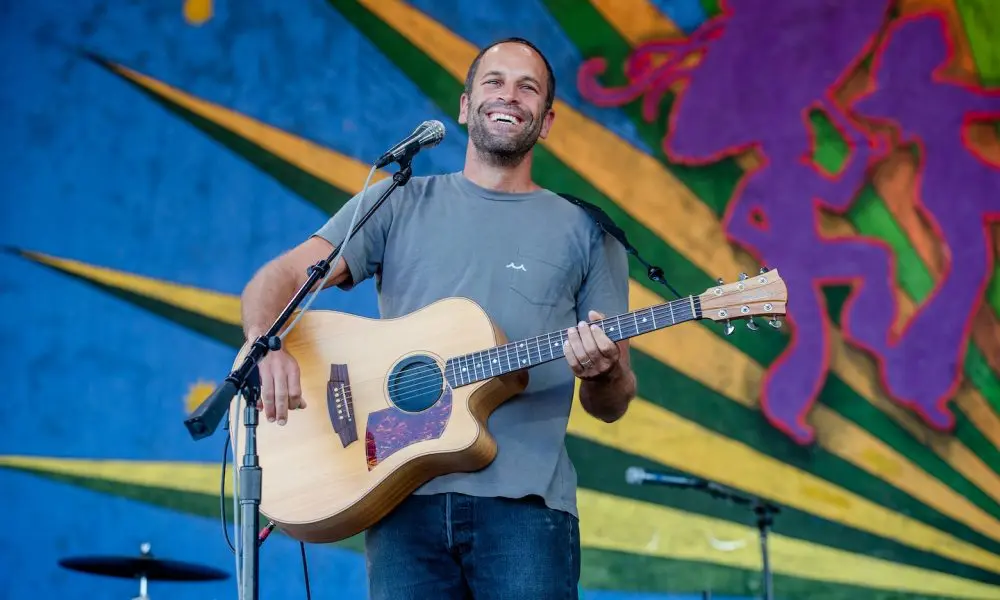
(502,149)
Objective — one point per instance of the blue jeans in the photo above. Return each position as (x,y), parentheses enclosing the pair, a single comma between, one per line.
(457,547)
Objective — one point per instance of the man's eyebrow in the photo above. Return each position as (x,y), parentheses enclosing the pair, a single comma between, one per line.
(495,73)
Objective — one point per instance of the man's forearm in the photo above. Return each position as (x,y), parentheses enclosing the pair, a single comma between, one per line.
(264,297)
(607,397)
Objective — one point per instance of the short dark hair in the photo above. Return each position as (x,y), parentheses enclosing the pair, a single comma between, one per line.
(550,95)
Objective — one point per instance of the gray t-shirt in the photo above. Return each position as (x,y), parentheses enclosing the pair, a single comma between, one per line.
(535,262)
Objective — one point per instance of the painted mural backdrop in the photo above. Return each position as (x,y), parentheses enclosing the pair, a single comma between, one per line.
(157,153)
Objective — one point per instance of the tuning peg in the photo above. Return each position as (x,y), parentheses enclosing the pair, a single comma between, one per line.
(751,324)
(743,276)
(764,270)
(720,281)
(774,322)
(730,328)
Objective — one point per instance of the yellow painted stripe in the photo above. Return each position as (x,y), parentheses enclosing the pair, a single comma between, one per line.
(190,477)
(634,180)
(653,432)
(607,522)
(215,305)
(318,161)
(979,412)
(638,21)
(613,523)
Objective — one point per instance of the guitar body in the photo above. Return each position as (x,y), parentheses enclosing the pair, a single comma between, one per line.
(380,420)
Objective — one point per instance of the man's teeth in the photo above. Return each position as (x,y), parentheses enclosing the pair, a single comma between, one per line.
(504,117)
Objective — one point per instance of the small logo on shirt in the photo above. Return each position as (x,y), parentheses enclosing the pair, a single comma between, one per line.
(519,267)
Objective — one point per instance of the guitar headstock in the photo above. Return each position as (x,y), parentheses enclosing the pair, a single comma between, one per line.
(762,294)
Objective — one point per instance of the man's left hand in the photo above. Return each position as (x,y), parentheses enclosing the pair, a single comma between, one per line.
(589,351)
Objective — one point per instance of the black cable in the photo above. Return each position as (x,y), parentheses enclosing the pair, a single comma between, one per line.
(222,494)
(305,569)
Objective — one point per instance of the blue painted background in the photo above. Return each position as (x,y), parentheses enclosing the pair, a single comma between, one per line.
(93,170)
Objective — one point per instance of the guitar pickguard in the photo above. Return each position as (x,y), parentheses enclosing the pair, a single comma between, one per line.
(421,406)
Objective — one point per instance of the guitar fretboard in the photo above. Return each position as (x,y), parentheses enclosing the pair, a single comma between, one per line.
(522,354)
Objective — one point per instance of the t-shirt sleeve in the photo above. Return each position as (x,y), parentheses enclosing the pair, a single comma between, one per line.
(605,282)
(365,250)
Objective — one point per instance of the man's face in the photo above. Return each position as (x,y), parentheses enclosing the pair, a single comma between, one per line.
(506,110)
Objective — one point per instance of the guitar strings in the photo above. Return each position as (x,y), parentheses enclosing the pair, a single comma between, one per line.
(415,385)
(435,371)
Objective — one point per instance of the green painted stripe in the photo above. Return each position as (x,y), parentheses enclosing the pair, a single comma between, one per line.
(307,186)
(975,441)
(604,472)
(982,22)
(670,389)
(871,217)
(594,37)
(619,571)
(869,417)
(993,290)
(226,333)
(830,149)
(444,90)
(983,377)
(711,7)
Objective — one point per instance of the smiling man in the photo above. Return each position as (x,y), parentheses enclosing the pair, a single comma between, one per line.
(536,263)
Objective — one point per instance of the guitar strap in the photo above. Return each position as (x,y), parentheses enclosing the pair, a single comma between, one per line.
(608,226)
(603,221)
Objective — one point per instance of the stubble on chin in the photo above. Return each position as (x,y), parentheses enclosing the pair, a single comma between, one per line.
(500,151)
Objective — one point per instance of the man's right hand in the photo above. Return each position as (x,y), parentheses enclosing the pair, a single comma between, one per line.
(280,386)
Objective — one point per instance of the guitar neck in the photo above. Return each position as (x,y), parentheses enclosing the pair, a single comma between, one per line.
(526,353)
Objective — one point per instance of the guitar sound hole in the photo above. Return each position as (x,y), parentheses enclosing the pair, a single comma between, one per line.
(415,384)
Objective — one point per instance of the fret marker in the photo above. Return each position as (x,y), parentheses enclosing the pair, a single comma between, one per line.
(644,319)
(494,361)
(611,329)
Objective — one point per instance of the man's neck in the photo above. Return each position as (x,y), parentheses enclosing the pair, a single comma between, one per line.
(513,178)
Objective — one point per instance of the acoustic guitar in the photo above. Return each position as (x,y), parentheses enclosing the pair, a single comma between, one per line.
(393,403)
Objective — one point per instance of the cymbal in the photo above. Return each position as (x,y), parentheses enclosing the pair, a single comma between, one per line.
(133,567)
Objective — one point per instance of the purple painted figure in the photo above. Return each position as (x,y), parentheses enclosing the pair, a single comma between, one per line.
(959,194)
(765,65)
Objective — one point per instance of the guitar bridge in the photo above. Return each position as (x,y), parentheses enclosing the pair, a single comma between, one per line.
(340,405)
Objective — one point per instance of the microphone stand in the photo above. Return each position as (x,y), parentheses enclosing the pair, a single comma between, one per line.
(762,508)
(764,511)
(245,380)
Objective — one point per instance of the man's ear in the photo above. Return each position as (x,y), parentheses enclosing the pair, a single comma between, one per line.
(547,120)
(463,109)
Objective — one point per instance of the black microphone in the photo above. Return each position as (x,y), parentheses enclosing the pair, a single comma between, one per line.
(426,135)
(640,476)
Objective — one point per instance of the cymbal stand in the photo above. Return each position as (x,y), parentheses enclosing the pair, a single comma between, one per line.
(144,550)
